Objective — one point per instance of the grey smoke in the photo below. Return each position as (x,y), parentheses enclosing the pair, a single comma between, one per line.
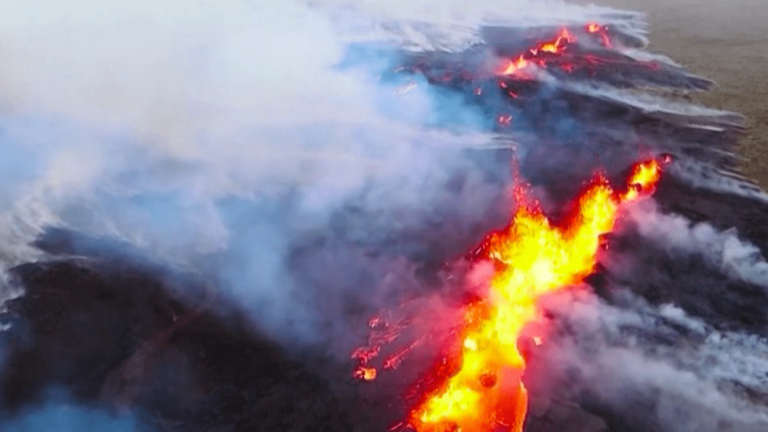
(690,382)
(217,136)
(723,250)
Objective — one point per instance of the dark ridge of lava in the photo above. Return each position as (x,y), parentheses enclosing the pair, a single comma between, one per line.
(565,133)
(748,215)
(689,281)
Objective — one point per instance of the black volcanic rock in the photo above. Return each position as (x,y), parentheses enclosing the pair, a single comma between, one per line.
(80,320)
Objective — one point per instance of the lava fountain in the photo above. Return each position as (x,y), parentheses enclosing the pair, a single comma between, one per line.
(480,389)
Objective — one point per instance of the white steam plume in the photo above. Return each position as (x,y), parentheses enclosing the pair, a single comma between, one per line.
(723,250)
(690,383)
(220,132)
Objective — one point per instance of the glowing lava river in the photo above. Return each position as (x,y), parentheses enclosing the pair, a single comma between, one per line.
(481,389)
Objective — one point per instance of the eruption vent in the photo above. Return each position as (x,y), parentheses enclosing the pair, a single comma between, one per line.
(482,389)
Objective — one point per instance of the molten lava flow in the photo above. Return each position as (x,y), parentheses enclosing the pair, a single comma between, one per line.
(533,258)
(515,65)
(477,386)
(602,32)
(557,52)
(535,55)
(644,178)
(556,46)
(365,373)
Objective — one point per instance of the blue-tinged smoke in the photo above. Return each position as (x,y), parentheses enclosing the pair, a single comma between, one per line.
(60,415)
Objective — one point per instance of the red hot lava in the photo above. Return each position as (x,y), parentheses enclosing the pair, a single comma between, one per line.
(478,386)
(544,52)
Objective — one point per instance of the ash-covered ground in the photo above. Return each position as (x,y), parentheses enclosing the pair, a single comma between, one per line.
(203,205)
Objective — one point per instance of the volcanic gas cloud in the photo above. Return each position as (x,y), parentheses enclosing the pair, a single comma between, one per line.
(359,216)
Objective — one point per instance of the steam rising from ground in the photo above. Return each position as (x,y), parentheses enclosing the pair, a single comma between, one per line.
(677,372)
(723,250)
(226,137)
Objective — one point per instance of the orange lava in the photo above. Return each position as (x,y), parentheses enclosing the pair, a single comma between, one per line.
(593,28)
(643,179)
(532,258)
(533,55)
(515,65)
(602,31)
(543,52)
(365,373)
